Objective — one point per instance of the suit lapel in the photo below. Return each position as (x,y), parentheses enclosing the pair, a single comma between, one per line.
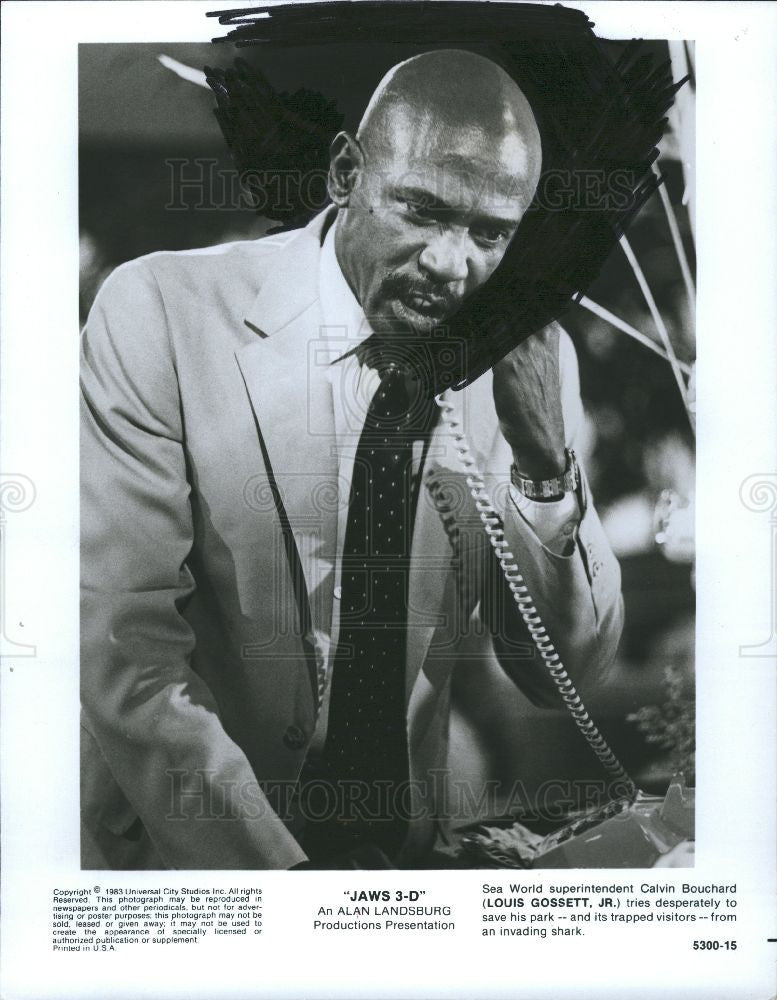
(285,374)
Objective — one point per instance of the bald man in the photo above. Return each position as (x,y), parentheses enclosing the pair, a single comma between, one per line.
(235,712)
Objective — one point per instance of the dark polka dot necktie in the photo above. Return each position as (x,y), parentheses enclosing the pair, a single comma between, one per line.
(365,761)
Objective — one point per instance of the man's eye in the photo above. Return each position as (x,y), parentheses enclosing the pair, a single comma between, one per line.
(418,209)
(491,236)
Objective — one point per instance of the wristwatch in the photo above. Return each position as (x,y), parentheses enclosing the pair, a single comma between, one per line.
(548,489)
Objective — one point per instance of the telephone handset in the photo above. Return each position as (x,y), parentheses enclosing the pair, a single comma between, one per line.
(623,786)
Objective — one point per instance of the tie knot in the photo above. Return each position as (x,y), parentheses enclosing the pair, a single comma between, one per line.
(391,402)
(392,374)
(400,404)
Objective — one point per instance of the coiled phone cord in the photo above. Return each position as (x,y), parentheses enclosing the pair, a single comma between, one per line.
(624,786)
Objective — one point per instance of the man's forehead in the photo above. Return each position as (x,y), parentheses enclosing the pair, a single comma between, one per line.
(461,155)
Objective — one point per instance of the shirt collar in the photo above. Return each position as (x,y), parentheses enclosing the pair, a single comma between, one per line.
(345,326)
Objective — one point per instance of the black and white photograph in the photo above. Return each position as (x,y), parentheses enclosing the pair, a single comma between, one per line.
(388,476)
(388,500)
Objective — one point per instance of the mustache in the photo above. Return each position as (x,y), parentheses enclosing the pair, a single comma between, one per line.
(405,287)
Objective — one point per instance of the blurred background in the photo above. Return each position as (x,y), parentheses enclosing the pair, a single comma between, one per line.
(144,128)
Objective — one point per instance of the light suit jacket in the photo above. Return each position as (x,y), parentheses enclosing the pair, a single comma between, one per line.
(210,503)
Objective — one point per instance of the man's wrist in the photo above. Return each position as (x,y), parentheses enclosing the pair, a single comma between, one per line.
(543,464)
(548,488)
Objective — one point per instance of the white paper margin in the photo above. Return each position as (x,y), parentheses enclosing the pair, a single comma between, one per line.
(737,252)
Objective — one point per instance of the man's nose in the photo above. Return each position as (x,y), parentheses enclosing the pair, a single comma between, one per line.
(444,258)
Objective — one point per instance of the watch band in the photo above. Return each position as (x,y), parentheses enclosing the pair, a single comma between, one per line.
(548,489)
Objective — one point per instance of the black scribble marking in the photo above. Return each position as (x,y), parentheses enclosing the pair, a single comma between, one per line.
(279,141)
(593,114)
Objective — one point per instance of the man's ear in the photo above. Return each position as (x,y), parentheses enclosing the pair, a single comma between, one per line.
(346,162)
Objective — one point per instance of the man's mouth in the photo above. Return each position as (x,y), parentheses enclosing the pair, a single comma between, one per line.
(418,311)
(421,306)
(427,305)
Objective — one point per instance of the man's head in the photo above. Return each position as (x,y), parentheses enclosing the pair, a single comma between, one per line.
(432,188)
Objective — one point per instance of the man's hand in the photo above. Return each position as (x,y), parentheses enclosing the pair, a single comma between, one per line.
(527,396)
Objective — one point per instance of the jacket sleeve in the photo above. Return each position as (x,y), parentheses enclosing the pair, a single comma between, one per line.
(577,594)
(153,718)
